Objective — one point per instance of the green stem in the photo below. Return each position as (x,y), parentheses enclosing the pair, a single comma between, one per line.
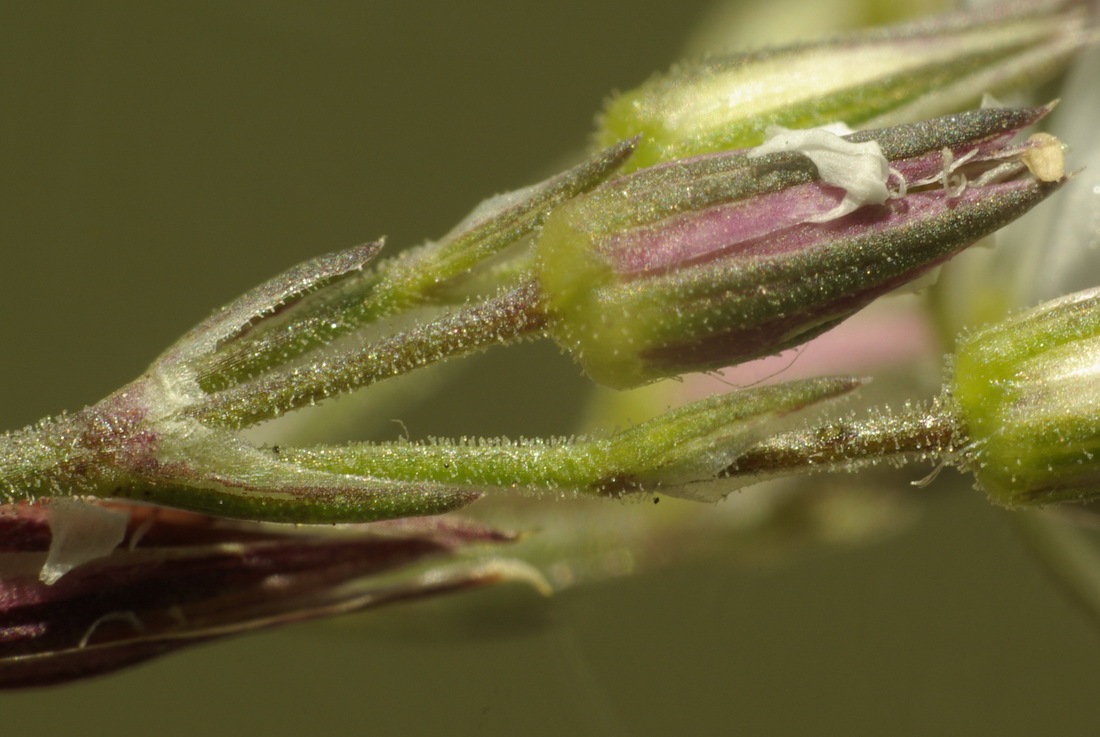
(67,455)
(528,464)
(502,320)
(676,448)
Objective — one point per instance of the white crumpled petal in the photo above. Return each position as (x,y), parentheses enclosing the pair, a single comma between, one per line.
(860,169)
(81,532)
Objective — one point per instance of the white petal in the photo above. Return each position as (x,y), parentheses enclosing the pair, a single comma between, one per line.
(860,169)
(81,532)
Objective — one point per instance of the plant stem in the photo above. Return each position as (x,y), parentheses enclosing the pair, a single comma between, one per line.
(512,316)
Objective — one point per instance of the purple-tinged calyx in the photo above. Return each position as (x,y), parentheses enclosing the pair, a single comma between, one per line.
(180,579)
(715,260)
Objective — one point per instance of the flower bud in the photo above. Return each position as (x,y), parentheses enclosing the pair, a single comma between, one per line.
(183,579)
(710,261)
(1028,392)
(868,79)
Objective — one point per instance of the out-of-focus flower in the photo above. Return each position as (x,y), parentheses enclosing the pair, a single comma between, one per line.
(707,262)
(183,579)
(1027,391)
(1054,250)
(729,25)
(867,79)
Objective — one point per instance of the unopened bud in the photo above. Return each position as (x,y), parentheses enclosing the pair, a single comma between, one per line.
(1028,392)
(868,79)
(710,261)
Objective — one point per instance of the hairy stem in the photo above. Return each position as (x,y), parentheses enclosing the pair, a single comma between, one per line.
(531,464)
(501,320)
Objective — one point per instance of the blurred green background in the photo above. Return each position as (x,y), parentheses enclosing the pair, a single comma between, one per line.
(159,159)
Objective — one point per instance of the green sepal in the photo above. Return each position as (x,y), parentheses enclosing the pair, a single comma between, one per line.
(685,445)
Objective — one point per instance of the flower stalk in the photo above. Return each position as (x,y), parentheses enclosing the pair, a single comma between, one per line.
(686,445)
(500,320)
